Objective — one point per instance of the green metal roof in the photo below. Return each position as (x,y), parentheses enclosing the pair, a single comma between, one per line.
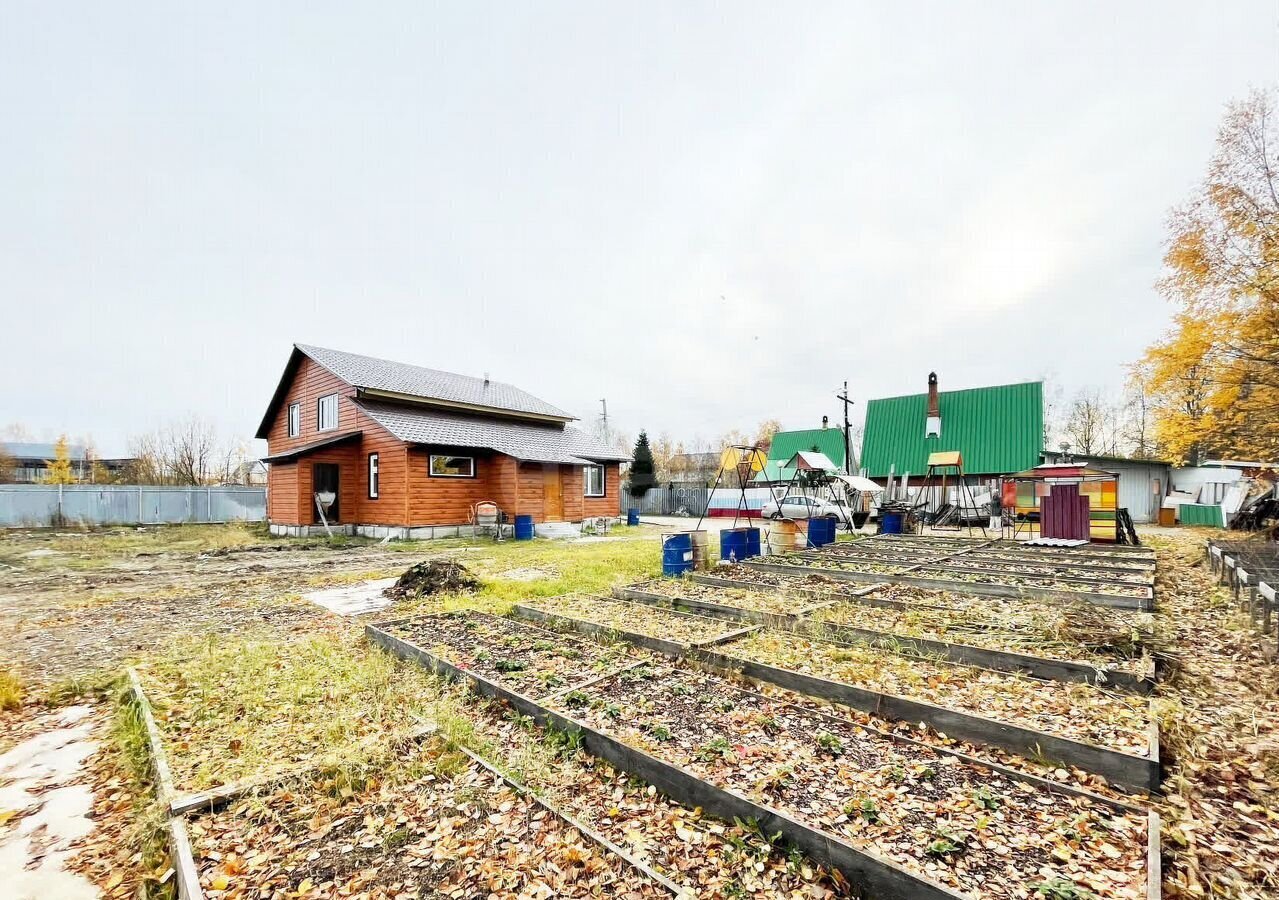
(824,440)
(997,429)
(787,443)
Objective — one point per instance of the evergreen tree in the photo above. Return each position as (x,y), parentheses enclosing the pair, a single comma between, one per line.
(641,475)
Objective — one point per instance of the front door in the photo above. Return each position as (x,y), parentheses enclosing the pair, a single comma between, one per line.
(324,480)
(552,494)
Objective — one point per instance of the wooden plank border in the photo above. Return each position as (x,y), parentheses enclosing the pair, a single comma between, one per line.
(186,873)
(801,622)
(1022,592)
(1125,769)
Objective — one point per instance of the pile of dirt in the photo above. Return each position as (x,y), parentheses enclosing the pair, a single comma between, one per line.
(434,576)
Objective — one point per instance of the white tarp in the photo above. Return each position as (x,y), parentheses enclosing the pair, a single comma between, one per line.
(859,483)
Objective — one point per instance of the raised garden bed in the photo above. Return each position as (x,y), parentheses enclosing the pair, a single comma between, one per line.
(1053,571)
(919,874)
(1077,712)
(463,833)
(1050,650)
(527,659)
(779,601)
(976,829)
(1053,582)
(1120,596)
(653,627)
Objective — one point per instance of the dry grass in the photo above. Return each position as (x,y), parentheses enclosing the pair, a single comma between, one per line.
(11,691)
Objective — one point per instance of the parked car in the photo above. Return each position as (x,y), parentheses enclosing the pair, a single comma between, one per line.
(797,507)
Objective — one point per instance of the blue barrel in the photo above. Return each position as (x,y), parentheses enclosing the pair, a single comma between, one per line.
(524,528)
(821,531)
(752,542)
(632,516)
(732,544)
(890,523)
(677,553)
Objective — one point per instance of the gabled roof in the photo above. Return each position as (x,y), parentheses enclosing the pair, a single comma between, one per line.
(997,429)
(526,441)
(389,380)
(786,444)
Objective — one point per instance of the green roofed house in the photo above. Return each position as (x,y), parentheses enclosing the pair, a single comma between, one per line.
(998,430)
(785,444)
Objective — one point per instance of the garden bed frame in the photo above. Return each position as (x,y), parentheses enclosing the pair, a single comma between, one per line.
(1018,591)
(1138,773)
(801,622)
(874,875)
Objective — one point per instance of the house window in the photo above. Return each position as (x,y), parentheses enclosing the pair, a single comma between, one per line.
(593,481)
(453,466)
(295,419)
(373,479)
(326,413)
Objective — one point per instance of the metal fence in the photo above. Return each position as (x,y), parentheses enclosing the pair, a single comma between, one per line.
(42,505)
(668,501)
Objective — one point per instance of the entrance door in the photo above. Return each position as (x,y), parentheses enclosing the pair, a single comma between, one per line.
(324,480)
(552,494)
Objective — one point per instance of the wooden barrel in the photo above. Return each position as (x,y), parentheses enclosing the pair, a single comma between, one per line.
(784,536)
(701,544)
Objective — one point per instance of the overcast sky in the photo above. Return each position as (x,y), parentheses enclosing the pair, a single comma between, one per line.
(708,214)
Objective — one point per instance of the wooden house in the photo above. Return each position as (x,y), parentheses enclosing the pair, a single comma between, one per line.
(408,451)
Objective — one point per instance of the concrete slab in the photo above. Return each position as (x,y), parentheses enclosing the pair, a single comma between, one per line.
(42,784)
(353,599)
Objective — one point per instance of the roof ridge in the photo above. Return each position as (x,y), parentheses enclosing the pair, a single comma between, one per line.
(984,387)
(305,348)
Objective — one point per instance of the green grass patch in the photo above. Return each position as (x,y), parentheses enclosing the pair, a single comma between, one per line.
(11,691)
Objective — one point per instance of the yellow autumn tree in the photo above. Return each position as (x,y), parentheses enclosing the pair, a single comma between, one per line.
(59,469)
(1214,377)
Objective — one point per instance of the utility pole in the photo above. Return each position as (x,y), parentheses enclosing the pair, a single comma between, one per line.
(848,443)
(608,439)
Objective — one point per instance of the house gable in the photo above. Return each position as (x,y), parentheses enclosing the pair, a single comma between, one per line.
(997,429)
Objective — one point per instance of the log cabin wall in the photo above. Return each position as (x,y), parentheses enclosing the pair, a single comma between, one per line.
(282,493)
(437,500)
(310,382)
(611,503)
(391,506)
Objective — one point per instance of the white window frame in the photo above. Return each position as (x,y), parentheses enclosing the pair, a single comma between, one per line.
(586,492)
(295,424)
(375,480)
(430,466)
(319,413)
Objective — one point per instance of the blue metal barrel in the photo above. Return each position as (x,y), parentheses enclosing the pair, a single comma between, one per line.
(677,553)
(890,523)
(524,528)
(732,544)
(821,531)
(632,516)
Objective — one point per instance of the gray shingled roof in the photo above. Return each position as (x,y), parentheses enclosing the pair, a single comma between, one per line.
(402,378)
(522,440)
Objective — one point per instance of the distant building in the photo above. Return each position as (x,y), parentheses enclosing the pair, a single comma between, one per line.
(31,462)
(785,444)
(1143,483)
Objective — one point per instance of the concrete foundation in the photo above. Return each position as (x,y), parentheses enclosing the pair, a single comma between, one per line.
(394,532)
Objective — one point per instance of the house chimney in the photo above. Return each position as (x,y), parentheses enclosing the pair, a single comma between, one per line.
(825,420)
(486,379)
(932,426)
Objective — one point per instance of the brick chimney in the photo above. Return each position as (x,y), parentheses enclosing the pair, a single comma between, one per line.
(932,425)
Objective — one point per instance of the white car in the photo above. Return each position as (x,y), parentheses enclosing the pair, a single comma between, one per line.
(796,507)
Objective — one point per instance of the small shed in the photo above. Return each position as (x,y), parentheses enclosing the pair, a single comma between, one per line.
(1065,500)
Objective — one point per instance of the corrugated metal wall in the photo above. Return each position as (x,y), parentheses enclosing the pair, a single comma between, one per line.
(41,505)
